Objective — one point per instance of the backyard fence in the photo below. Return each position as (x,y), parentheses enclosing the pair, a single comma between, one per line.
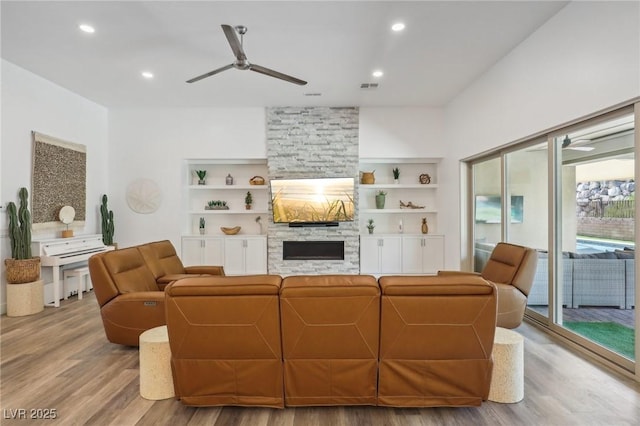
(618,209)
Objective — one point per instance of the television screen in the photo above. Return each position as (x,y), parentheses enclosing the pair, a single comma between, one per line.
(488,208)
(312,200)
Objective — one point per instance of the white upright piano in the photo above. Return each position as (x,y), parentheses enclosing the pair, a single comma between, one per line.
(59,252)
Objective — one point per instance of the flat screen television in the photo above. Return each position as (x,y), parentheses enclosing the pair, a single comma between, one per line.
(319,200)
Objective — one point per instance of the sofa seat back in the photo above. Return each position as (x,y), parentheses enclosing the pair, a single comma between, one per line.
(161,258)
(436,338)
(224,334)
(330,339)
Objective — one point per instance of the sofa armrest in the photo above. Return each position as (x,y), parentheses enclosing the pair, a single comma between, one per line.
(204,270)
(457,273)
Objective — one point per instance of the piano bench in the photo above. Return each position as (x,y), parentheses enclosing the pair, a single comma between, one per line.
(82,274)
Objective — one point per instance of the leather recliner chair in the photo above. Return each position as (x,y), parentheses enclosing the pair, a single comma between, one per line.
(224,334)
(511,268)
(436,338)
(166,266)
(129,298)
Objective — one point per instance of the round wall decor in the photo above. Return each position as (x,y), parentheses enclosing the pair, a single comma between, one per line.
(144,196)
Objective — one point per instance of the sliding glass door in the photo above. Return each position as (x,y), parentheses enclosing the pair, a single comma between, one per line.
(571,196)
(596,181)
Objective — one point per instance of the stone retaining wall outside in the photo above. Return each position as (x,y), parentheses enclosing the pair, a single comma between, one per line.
(607,227)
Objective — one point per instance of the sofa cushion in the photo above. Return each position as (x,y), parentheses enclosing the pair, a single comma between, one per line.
(161,258)
(129,271)
(603,255)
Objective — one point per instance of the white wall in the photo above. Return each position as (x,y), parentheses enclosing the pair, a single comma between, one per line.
(585,58)
(153,144)
(31,103)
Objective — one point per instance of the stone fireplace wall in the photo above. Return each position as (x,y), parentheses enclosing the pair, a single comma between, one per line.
(313,142)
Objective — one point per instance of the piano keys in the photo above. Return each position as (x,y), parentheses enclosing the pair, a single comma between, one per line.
(57,252)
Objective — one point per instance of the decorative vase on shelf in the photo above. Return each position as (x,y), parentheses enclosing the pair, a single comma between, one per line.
(370,230)
(229,179)
(380,199)
(425,227)
(368,178)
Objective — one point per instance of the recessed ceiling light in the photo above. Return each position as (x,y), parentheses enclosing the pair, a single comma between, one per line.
(146,74)
(87,28)
(398,26)
(377,73)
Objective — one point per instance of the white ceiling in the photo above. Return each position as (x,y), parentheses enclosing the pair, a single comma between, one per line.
(333,45)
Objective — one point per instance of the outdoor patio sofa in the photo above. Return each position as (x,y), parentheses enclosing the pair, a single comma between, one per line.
(598,279)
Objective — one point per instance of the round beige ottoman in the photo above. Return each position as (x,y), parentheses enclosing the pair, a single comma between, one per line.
(507,379)
(25,299)
(156,381)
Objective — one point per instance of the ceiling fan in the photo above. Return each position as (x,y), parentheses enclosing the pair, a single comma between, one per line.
(241,62)
(566,144)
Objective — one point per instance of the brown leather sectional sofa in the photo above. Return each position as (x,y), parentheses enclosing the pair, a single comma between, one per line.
(129,284)
(331,340)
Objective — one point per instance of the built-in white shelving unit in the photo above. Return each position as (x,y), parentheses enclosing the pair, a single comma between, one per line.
(245,252)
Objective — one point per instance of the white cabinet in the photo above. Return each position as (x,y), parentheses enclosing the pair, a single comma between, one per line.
(380,254)
(202,251)
(245,255)
(422,254)
(239,255)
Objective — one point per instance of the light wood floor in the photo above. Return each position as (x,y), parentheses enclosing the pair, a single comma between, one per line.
(59,359)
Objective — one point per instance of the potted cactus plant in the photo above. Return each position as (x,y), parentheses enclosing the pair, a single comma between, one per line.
(248,200)
(107,223)
(22,267)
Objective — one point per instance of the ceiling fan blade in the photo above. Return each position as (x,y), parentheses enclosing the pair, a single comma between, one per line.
(581,148)
(276,74)
(210,73)
(235,44)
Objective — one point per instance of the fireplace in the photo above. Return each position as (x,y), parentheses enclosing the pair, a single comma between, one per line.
(313,250)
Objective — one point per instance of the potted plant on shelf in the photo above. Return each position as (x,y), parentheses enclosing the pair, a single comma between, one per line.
(396,174)
(380,199)
(22,267)
(108,227)
(201,177)
(370,226)
(202,223)
(248,200)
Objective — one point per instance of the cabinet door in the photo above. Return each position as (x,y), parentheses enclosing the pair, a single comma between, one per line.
(433,254)
(369,255)
(234,255)
(391,255)
(255,256)
(191,251)
(213,251)
(412,255)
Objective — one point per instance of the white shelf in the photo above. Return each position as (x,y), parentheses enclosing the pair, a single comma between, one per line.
(229,187)
(398,186)
(252,211)
(222,235)
(386,211)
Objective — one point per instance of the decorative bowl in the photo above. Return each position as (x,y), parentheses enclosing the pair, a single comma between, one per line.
(256,180)
(230,231)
